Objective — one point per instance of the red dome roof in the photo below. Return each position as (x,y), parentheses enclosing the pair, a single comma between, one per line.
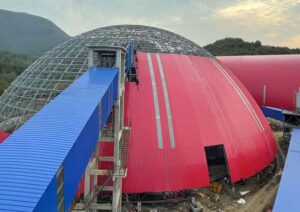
(179,108)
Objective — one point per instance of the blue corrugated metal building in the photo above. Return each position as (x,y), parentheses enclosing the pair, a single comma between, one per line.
(63,134)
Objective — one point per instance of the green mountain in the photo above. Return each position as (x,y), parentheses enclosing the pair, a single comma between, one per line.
(23,33)
(237,46)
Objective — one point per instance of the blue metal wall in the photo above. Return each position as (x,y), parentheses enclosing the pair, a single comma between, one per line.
(129,57)
(63,133)
(48,201)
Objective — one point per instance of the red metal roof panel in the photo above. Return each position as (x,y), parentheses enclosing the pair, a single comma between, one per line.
(209,106)
(3,136)
(279,73)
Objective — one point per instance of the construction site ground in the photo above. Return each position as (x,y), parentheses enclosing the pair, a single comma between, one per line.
(257,193)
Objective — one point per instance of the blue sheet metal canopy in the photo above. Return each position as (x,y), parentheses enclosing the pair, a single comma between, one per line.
(287,198)
(65,133)
(273,112)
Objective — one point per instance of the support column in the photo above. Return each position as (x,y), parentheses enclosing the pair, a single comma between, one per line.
(118,129)
(264,95)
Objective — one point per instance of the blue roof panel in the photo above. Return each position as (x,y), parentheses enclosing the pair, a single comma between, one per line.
(288,198)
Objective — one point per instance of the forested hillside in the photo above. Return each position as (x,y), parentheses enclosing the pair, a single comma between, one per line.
(237,46)
(11,65)
(23,33)
(23,38)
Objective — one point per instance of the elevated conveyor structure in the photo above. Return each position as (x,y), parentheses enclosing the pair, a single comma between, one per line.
(42,162)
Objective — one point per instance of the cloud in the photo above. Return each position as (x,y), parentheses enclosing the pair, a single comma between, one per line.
(293,42)
(259,13)
(81,16)
(272,35)
(271,21)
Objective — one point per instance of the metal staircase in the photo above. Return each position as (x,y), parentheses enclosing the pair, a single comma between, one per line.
(125,144)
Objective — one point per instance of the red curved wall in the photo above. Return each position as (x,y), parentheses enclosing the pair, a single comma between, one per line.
(280,74)
(209,106)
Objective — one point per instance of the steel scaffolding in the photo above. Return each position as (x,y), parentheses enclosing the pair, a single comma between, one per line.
(115,132)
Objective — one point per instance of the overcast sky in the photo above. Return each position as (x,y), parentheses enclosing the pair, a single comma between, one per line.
(274,22)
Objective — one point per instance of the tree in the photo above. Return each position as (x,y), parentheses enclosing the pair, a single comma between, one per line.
(237,46)
(11,65)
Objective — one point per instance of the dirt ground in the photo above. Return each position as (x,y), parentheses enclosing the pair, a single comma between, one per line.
(261,197)
(261,201)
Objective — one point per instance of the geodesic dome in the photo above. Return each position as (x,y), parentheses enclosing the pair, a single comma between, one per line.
(56,69)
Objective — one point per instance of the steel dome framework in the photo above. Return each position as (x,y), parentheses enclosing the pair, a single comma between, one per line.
(55,70)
